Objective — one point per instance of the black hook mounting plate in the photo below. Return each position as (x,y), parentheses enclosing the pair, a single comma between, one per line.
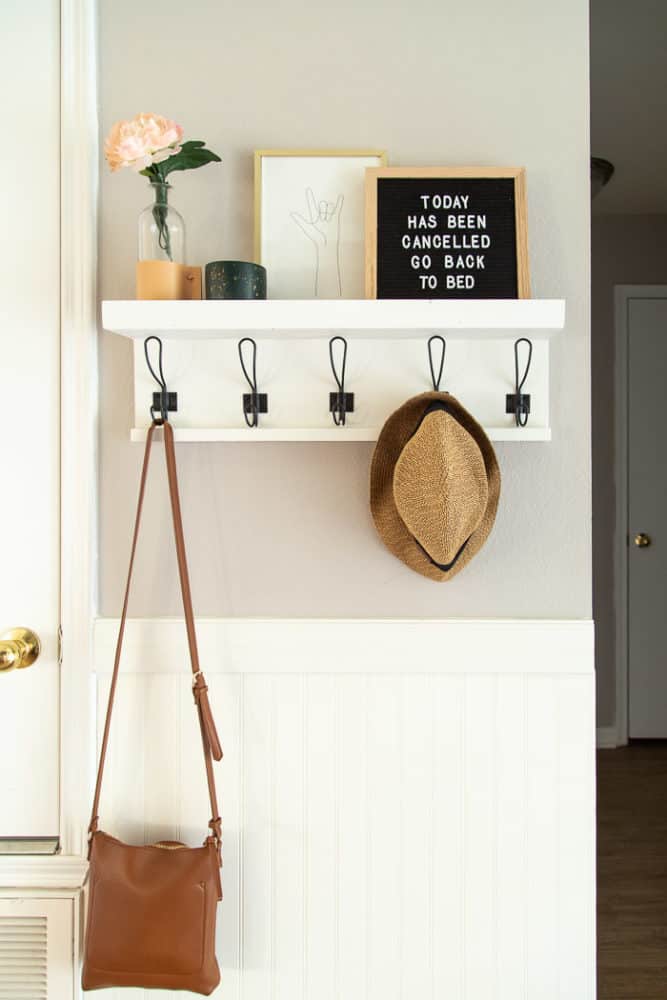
(172,402)
(517,403)
(255,402)
(341,402)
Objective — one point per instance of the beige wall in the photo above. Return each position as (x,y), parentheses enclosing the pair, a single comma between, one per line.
(284,529)
(625,250)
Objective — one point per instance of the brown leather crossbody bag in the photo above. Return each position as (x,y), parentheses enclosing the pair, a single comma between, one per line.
(152,909)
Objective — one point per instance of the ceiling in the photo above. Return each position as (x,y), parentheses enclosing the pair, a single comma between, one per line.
(629,102)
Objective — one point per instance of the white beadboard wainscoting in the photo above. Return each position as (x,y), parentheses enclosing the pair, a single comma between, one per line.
(408,807)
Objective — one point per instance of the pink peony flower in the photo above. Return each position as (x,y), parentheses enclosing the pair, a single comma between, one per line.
(144,140)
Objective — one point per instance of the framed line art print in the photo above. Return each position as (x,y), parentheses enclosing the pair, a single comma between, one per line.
(309,220)
(446,233)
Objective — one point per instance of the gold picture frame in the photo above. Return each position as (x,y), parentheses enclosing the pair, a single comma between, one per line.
(290,188)
(518,174)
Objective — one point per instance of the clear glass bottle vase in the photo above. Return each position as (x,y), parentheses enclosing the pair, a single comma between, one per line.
(161,228)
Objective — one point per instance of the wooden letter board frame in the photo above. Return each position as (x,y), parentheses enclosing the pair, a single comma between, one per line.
(518,174)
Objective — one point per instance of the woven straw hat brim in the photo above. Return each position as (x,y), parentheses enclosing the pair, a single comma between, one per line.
(395,434)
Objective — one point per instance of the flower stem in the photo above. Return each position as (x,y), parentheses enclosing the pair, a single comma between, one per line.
(160,210)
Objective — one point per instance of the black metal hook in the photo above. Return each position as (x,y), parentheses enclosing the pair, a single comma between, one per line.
(163,401)
(518,402)
(340,402)
(254,402)
(443,344)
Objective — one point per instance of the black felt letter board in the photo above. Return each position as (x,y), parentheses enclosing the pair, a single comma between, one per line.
(446,238)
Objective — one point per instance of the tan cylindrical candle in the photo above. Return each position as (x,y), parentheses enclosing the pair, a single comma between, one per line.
(160,279)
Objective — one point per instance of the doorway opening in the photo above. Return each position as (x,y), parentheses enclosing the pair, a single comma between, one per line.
(629,372)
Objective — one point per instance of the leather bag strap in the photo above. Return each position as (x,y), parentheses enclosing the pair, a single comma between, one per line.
(210,741)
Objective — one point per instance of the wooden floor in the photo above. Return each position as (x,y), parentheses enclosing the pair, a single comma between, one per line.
(632,873)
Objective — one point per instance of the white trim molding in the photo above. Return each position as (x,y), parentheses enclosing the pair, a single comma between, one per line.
(79,195)
(623,294)
(59,872)
(607,738)
(283,646)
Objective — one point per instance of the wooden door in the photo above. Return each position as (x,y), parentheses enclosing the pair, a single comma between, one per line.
(29,428)
(647,509)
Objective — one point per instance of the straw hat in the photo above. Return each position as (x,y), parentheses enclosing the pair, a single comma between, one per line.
(435,485)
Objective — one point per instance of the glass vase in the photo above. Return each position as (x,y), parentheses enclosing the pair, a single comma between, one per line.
(161,228)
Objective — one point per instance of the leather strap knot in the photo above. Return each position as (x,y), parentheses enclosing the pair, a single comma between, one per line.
(210,733)
(92,830)
(215,826)
(198,684)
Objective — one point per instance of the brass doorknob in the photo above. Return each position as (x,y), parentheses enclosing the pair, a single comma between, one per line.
(19,647)
(642,540)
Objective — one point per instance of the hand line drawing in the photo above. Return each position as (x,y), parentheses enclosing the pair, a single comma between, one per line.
(322,227)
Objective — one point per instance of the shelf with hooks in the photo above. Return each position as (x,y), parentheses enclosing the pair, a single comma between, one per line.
(298,383)
(318,318)
(323,386)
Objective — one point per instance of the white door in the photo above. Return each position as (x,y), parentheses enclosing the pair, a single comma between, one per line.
(647,511)
(29,428)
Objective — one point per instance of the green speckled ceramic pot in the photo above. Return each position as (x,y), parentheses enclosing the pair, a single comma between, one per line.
(235,279)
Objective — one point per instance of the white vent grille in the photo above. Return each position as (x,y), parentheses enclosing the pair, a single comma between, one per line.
(23,954)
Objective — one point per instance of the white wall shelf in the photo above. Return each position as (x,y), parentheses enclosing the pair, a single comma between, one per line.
(368,318)
(387,362)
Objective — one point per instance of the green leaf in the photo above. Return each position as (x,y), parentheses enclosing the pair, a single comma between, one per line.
(192,155)
(151,172)
(155,170)
(189,159)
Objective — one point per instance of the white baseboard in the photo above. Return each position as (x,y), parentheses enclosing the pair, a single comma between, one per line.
(607,738)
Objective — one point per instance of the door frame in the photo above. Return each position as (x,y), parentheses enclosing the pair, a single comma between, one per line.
(79,164)
(623,295)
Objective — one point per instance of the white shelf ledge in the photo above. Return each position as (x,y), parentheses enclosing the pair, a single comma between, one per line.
(306,318)
(314,434)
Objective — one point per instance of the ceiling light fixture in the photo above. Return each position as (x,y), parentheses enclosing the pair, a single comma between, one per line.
(601,173)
